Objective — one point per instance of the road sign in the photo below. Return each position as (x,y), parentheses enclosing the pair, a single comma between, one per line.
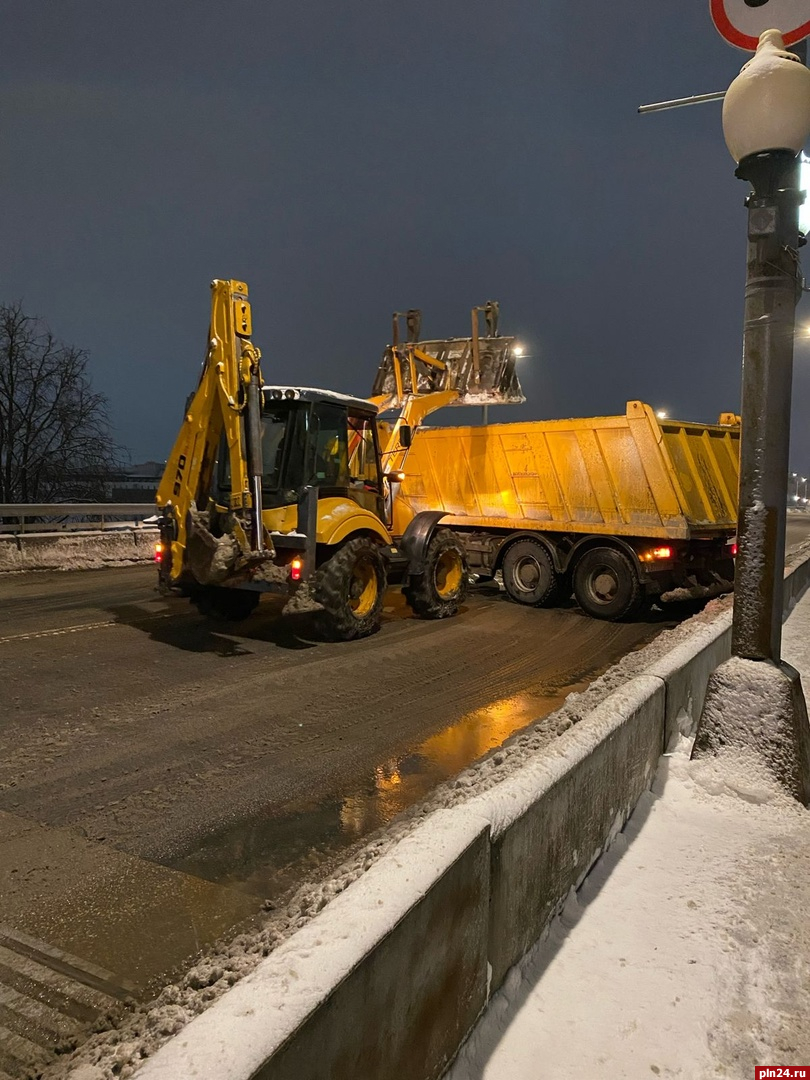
(742,21)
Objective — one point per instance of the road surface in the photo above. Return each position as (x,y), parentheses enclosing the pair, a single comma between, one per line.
(798,530)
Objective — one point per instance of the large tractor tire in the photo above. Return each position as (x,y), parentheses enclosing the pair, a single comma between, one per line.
(351,587)
(607,586)
(438,592)
(224,605)
(529,576)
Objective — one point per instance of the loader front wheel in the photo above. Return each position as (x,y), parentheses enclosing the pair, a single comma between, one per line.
(224,605)
(351,587)
(607,586)
(529,576)
(440,589)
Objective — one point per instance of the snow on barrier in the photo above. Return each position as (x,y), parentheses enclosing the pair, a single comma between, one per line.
(390,977)
(76,550)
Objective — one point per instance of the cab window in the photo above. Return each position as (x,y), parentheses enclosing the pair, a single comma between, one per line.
(363,467)
(329,441)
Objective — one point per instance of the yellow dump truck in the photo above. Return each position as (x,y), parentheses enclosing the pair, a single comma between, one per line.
(619,510)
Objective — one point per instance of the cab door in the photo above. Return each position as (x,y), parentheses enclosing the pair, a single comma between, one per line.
(365,481)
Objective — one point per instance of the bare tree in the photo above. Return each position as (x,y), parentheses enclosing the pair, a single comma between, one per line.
(55,438)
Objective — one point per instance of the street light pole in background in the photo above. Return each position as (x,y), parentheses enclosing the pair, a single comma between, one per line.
(766,121)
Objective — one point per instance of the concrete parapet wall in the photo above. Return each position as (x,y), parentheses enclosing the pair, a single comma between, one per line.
(391,976)
(384,983)
(551,820)
(76,550)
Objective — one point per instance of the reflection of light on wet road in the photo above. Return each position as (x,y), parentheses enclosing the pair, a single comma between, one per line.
(399,784)
(268,855)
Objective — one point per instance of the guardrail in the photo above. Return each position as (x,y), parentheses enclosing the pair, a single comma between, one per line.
(69,517)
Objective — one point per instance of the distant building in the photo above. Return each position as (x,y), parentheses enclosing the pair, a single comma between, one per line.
(136,483)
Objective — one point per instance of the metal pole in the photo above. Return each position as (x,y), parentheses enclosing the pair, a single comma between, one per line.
(680,103)
(773,287)
(253,432)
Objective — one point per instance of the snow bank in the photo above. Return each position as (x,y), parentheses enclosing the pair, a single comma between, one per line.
(77,550)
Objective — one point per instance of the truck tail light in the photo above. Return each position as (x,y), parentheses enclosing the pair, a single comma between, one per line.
(296,567)
(158,553)
(734,551)
(662,553)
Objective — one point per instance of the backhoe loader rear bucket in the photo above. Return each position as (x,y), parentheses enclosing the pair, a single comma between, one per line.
(225,558)
(482,376)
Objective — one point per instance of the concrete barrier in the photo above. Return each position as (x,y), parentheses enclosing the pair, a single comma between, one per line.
(385,982)
(76,550)
(390,977)
(552,819)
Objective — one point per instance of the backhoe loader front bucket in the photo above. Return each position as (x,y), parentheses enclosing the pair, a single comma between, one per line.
(481,370)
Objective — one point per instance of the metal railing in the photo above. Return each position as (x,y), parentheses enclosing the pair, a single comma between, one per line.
(16,518)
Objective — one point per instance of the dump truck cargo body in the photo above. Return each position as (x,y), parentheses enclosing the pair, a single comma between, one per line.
(662,492)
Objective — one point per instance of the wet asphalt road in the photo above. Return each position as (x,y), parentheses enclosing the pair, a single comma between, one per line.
(130,718)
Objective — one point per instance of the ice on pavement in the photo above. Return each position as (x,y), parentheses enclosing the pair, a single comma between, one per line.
(686,951)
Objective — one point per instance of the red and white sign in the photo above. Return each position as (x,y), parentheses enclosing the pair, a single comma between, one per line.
(742,21)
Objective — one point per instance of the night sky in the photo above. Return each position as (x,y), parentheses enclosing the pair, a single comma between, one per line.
(350,158)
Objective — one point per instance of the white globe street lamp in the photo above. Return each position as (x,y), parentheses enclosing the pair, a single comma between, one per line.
(766,121)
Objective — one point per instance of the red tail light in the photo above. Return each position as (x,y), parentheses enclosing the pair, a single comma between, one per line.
(158,553)
(734,551)
(662,553)
(296,566)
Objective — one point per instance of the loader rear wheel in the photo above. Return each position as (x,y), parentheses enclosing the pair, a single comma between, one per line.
(440,589)
(224,605)
(606,584)
(529,576)
(351,587)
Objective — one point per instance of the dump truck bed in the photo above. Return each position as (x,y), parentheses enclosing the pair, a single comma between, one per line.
(631,475)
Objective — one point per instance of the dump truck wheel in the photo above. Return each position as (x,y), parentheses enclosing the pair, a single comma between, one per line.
(606,584)
(351,587)
(224,605)
(529,576)
(438,592)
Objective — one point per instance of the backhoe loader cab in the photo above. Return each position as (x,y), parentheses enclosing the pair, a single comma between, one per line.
(313,439)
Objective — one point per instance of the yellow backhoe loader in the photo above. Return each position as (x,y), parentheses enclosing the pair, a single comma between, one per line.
(286,489)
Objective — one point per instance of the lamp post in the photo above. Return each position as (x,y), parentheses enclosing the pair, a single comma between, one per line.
(766,120)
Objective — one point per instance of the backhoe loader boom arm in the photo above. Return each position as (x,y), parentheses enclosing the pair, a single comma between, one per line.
(227,399)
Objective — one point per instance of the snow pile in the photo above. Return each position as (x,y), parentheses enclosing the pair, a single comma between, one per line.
(749,737)
(686,951)
(77,550)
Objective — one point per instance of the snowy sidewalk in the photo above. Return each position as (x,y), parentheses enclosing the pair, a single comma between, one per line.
(686,953)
